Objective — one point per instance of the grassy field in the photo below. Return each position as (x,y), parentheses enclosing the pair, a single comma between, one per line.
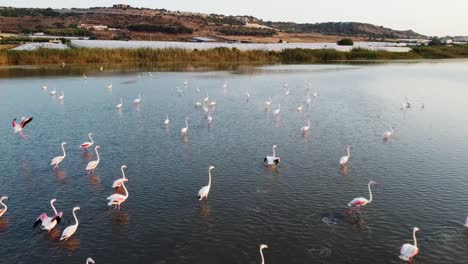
(220,55)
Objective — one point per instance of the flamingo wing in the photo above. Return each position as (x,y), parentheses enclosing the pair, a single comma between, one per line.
(56,160)
(91,165)
(68,232)
(408,251)
(117,183)
(14,122)
(2,212)
(25,121)
(85,145)
(358,202)
(203,192)
(344,160)
(50,225)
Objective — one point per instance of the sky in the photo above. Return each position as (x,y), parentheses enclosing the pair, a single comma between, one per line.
(428,17)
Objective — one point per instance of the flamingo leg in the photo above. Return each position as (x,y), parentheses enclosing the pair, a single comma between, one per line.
(55,167)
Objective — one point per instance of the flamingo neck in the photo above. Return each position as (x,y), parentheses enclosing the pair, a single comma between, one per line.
(92,141)
(186,124)
(63,149)
(391,129)
(414,238)
(274,153)
(261,254)
(97,153)
(370,192)
(53,207)
(308,122)
(4,205)
(209,178)
(349,153)
(125,188)
(76,219)
(123,173)
(121,101)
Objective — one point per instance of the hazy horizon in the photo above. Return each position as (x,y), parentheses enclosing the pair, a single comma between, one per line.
(443,18)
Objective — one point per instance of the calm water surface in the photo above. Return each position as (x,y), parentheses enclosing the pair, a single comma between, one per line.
(298,209)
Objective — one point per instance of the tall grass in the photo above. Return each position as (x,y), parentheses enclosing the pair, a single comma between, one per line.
(219,55)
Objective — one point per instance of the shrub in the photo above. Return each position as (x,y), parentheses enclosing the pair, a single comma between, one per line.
(345,42)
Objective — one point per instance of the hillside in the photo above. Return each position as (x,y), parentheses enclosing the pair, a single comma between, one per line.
(160,24)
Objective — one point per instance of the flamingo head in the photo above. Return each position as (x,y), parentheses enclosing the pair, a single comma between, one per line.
(4,198)
(211,167)
(98,147)
(123,167)
(373,182)
(76,208)
(275,146)
(53,200)
(90,134)
(64,143)
(263,246)
(90,260)
(125,180)
(415,229)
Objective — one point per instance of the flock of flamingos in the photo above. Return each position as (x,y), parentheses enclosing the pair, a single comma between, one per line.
(407,251)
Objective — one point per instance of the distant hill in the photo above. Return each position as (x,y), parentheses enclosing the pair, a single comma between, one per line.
(123,22)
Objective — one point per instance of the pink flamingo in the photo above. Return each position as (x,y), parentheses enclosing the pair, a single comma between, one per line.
(93,164)
(408,251)
(262,246)
(118,183)
(48,223)
(18,128)
(56,161)
(87,144)
(117,199)
(5,207)
(361,201)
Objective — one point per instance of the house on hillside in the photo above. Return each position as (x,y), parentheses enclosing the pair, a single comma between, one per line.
(122,6)
(93,27)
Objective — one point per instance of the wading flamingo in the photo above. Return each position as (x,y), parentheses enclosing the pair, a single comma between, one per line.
(213,103)
(262,247)
(388,134)
(5,207)
(56,161)
(408,251)
(315,93)
(198,104)
(84,76)
(299,108)
(90,261)
(118,183)
(184,129)
(18,128)
(277,111)
(119,106)
(109,86)
(344,159)
(138,99)
(267,103)
(272,160)
(209,118)
(308,99)
(88,144)
(53,92)
(286,93)
(304,129)
(203,193)
(70,230)
(361,201)
(117,198)
(61,97)
(48,223)
(166,121)
(247,94)
(93,164)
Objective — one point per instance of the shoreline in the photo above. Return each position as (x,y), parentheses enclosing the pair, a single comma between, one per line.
(85,56)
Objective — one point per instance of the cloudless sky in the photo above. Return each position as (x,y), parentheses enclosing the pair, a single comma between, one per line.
(429,17)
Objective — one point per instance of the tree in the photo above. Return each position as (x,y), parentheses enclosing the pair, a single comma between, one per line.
(435,41)
(345,42)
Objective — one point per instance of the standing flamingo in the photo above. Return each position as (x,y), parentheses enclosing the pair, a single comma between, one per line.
(286,93)
(5,207)
(272,160)
(117,198)
(344,159)
(90,261)
(56,161)
(277,111)
(48,223)
(119,106)
(209,118)
(308,99)
(315,93)
(118,183)
(203,193)
(18,128)
(388,134)
(262,246)
(70,230)
(267,103)
(109,86)
(138,99)
(166,121)
(87,144)
(304,129)
(247,94)
(361,201)
(53,92)
(93,164)
(299,108)
(408,251)
(184,129)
